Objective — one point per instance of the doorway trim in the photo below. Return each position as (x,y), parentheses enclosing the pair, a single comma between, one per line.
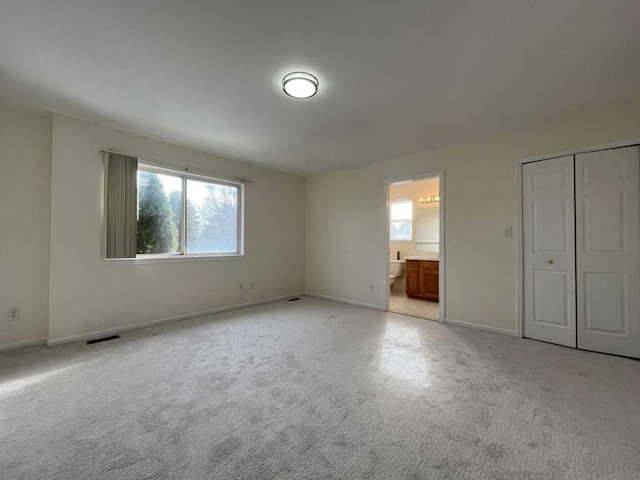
(519,230)
(442,246)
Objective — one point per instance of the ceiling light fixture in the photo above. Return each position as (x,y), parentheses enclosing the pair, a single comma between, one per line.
(300,85)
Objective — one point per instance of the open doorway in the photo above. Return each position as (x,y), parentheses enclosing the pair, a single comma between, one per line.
(414,236)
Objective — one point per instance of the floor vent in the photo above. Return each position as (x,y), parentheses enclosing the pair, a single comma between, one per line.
(103,339)
(293,299)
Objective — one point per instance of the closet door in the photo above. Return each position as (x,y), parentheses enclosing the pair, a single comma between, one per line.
(549,251)
(607,219)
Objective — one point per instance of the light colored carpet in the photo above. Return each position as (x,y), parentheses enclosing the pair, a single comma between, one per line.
(317,390)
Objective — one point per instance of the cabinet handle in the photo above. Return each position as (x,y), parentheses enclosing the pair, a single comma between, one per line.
(550,262)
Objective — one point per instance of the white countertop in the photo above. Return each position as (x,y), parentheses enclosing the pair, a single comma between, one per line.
(432,258)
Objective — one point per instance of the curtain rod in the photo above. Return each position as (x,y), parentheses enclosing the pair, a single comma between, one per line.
(185,168)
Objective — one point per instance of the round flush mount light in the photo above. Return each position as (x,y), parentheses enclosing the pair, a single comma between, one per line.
(300,85)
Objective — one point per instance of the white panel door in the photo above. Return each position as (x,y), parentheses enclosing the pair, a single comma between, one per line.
(607,219)
(549,251)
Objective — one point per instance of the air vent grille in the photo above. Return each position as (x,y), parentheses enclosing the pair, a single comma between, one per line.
(103,339)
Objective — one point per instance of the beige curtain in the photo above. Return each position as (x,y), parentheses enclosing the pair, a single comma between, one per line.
(122,198)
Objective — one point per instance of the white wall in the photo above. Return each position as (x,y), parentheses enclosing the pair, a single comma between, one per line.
(25,177)
(344,225)
(87,294)
(345,216)
(413,191)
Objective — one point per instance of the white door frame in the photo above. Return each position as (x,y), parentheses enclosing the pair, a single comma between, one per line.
(519,225)
(442,246)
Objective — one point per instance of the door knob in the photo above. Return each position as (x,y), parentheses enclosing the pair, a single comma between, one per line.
(550,262)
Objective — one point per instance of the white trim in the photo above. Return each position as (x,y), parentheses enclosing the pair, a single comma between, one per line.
(477,326)
(575,151)
(519,237)
(162,165)
(23,344)
(370,306)
(103,207)
(153,166)
(168,258)
(442,246)
(135,326)
(182,256)
(184,174)
(519,225)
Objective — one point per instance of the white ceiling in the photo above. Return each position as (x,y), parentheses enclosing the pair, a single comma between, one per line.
(395,76)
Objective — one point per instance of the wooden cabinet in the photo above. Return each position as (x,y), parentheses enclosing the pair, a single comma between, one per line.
(423,279)
(413,282)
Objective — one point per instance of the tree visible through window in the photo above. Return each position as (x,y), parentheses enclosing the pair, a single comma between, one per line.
(400,220)
(158,222)
(211,210)
(215,211)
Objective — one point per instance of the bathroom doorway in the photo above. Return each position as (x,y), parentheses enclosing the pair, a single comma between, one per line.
(414,238)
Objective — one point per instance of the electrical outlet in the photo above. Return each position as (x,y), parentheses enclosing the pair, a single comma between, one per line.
(371,287)
(13,314)
(251,286)
(508,232)
(241,287)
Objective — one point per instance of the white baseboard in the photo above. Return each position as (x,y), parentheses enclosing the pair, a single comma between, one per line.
(135,326)
(448,321)
(477,326)
(23,344)
(344,300)
(150,323)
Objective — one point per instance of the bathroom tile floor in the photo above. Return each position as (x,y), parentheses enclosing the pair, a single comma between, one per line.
(413,307)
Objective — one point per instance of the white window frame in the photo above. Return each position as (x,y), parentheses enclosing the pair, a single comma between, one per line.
(183,256)
(391,219)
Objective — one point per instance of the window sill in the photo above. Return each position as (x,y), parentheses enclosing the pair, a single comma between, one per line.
(152,259)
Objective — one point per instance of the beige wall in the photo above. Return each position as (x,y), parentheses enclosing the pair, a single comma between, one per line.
(344,228)
(413,191)
(25,178)
(345,216)
(51,175)
(88,294)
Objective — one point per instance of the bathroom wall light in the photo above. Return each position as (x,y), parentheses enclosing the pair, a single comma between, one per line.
(300,85)
(431,199)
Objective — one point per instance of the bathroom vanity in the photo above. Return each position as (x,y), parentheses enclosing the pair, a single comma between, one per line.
(423,278)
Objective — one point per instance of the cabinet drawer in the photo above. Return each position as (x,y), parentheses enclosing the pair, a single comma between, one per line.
(412,263)
(429,265)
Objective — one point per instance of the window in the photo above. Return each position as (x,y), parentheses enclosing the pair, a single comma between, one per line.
(401,220)
(186,214)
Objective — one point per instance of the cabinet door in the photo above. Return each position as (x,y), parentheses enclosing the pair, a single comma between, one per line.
(413,281)
(430,284)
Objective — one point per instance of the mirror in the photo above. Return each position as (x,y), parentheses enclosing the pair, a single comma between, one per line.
(428,229)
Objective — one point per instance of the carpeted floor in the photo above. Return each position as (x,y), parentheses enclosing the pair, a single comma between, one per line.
(317,390)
